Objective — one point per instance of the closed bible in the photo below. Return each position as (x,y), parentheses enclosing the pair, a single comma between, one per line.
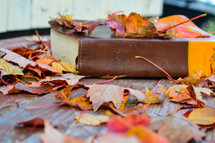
(102,53)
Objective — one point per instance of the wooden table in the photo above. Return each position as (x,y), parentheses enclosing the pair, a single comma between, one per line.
(63,117)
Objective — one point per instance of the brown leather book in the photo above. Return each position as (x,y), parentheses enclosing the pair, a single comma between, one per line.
(103,54)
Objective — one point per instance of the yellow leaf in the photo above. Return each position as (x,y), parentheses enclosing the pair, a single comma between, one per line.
(93,120)
(81,102)
(203,116)
(67,17)
(9,68)
(192,79)
(67,67)
(151,98)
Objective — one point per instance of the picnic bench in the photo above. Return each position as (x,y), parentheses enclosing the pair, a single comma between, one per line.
(12,107)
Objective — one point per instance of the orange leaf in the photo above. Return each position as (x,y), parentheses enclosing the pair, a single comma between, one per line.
(119,124)
(145,135)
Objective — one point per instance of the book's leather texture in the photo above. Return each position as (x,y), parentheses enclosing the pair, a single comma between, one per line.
(102,54)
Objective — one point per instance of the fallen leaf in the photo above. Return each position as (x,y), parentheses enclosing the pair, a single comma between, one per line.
(23,62)
(46,61)
(181,97)
(151,98)
(64,92)
(9,68)
(119,124)
(67,67)
(192,79)
(145,135)
(203,116)
(199,90)
(24,52)
(82,102)
(125,98)
(69,78)
(51,135)
(115,138)
(34,90)
(92,120)
(177,129)
(9,89)
(100,94)
(39,122)
(177,87)
(8,108)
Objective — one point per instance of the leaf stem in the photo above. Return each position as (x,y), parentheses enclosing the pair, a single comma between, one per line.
(202,15)
(140,57)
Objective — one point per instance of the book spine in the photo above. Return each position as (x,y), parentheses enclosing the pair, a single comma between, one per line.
(99,57)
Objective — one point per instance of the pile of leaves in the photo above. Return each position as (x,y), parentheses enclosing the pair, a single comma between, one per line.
(36,71)
(136,26)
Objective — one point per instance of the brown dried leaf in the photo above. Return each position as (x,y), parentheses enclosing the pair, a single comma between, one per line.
(34,90)
(23,62)
(100,94)
(177,129)
(9,89)
(39,122)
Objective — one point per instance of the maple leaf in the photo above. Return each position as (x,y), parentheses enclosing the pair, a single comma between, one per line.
(64,92)
(9,68)
(119,124)
(90,119)
(187,29)
(199,90)
(182,96)
(51,135)
(82,102)
(69,78)
(100,94)
(35,90)
(203,116)
(67,67)
(192,79)
(177,129)
(23,62)
(151,98)
(145,135)
(24,52)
